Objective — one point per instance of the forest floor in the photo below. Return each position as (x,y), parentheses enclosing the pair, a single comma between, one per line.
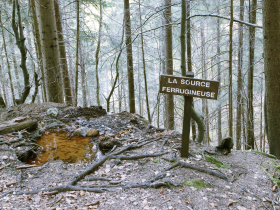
(143,171)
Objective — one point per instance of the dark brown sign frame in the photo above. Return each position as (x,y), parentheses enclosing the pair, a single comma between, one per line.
(188,86)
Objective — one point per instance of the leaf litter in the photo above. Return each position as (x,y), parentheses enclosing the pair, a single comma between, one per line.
(136,178)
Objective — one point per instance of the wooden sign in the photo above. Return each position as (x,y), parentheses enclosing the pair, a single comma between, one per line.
(189,87)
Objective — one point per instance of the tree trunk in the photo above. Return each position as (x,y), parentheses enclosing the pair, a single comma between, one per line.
(169,64)
(219,126)
(261,118)
(189,56)
(239,79)
(83,76)
(18,86)
(204,76)
(39,48)
(144,67)
(20,41)
(230,71)
(8,63)
(129,56)
(63,58)
(77,53)
(97,53)
(250,110)
(50,51)
(271,17)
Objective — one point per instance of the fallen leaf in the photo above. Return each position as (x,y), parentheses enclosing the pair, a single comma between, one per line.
(161,191)
(265,199)
(187,201)
(11,183)
(82,193)
(115,182)
(59,199)
(50,193)
(232,202)
(212,204)
(274,189)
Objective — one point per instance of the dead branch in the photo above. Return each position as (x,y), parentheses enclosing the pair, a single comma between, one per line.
(136,157)
(90,178)
(204,170)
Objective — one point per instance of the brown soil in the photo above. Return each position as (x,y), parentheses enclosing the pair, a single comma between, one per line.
(248,185)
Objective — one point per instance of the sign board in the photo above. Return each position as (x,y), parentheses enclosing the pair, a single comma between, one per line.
(188,86)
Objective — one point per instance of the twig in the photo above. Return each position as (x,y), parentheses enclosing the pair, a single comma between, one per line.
(163,144)
(271,197)
(23,167)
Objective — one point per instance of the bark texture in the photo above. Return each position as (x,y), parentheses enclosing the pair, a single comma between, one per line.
(239,79)
(50,52)
(63,59)
(250,109)
(271,21)
(169,63)
(129,56)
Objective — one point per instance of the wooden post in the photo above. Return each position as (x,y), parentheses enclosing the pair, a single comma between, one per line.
(186,123)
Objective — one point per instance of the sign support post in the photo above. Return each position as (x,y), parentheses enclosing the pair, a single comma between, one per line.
(186,123)
(189,87)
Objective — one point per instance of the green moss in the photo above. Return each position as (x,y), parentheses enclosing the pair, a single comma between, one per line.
(172,163)
(274,180)
(263,153)
(213,160)
(170,184)
(156,160)
(197,183)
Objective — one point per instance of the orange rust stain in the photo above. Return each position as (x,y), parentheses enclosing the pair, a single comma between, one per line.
(57,145)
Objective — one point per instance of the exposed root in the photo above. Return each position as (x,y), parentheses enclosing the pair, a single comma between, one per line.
(204,170)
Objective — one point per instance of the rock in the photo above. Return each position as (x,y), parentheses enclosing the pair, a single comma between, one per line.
(5,157)
(92,132)
(52,112)
(108,143)
(82,131)
(54,124)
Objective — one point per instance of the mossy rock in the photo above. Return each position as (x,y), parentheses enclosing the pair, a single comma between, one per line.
(263,153)
(197,183)
(213,160)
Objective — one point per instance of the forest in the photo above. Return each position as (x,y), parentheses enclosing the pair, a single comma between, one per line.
(111,54)
(91,71)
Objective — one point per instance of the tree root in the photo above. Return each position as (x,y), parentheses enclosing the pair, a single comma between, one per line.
(63,188)
(204,170)
(152,183)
